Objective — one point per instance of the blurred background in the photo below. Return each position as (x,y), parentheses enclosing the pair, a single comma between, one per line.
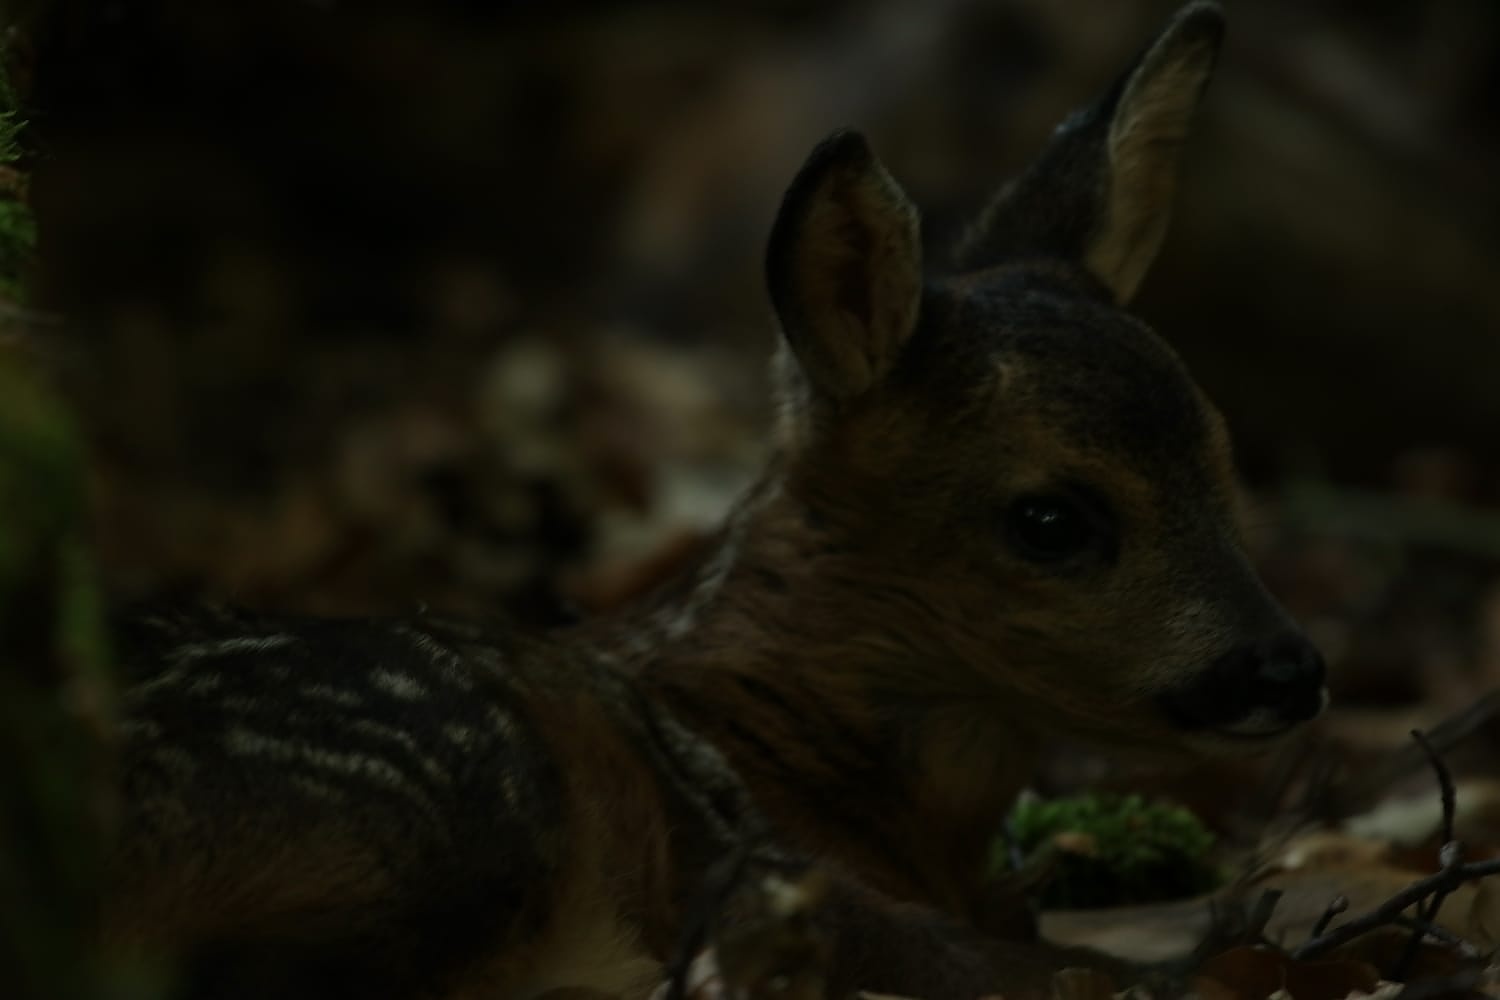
(365,306)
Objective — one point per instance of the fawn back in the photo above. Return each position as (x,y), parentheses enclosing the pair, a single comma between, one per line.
(1000,510)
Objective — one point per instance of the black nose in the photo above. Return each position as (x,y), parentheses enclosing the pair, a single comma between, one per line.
(1289,677)
(1283,675)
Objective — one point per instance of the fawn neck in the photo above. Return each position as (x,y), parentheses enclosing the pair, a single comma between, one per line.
(817,682)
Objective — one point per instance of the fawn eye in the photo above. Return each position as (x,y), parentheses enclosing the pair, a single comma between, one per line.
(1049,528)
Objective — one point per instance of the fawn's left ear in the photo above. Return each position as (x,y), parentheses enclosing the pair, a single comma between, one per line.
(1101,193)
(844,268)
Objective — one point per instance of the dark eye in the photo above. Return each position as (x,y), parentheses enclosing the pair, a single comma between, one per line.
(1048,529)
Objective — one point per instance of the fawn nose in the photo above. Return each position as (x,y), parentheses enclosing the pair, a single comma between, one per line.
(1258,687)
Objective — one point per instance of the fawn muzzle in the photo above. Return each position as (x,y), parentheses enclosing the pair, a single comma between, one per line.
(1259,687)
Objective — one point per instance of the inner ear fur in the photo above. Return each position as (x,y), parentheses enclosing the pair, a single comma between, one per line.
(1144,145)
(844,268)
(1101,192)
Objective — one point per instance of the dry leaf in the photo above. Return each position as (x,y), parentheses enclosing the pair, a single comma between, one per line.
(1416,819)
(1082,984)
(1327,848)
(1259,973)
(1306,893)
(1155,932)
(1483,925)
(1381,947)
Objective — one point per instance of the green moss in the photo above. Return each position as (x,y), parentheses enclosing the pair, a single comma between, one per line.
(1113,850)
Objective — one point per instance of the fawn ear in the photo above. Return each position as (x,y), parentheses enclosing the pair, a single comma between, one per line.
(844,267)
(1101,193)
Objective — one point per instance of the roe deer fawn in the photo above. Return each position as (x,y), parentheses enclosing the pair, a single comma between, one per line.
(1000,508)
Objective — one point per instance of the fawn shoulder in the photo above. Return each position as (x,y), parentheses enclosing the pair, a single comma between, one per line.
(999,510)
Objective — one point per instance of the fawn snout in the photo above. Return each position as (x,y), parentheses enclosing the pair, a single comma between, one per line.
(1266,677)
(1259,687)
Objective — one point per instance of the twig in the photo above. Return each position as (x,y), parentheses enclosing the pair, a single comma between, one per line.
(1358,794)
(1427,894)
(1445,782)
(1261,913)
(1335,906)
(1236,924)
(1440,933)
(1452,857)
(1389,912)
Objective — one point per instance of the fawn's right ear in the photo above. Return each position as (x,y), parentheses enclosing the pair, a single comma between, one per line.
(844,268)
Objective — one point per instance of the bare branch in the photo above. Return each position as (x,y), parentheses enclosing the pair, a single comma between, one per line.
(1452,857)
(1442,934)
(1335,906)
(1390,912)
(1445,782)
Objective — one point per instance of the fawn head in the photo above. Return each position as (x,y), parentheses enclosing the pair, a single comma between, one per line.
(1037,500)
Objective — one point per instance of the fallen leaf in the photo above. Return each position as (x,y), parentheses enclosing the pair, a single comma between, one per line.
(1082,984)
(1155,932)
(1260,973)
(1483,928)
(1306,893)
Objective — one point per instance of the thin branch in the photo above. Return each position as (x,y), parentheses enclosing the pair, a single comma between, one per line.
(1261,913)
(1452,857)
(1427,894)
(1389,912)
(1359,793)
(1335,906)
(1460,982)
(1440,934)
(1445,782)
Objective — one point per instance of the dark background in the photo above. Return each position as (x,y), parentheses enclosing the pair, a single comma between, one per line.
(365,306)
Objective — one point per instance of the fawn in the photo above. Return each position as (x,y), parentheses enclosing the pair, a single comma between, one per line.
(1000,509)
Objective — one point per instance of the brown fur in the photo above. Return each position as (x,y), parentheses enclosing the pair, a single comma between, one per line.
(849,690)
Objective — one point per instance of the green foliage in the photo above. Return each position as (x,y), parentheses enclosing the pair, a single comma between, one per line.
(10,122)
(50,658)
(1114,850)
(17,228)
(56,688)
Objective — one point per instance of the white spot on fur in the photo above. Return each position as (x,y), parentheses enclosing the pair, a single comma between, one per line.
(407,742)
(231,647)
(161,682)
(244,742)
(316,789)
(449,664)
(329,693)
(502,724)
(205,683)
(400,686)
(462,736)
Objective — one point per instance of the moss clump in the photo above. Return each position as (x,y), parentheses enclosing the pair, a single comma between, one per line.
(1112,850)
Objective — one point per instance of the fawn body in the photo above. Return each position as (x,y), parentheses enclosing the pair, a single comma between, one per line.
(1000,509)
